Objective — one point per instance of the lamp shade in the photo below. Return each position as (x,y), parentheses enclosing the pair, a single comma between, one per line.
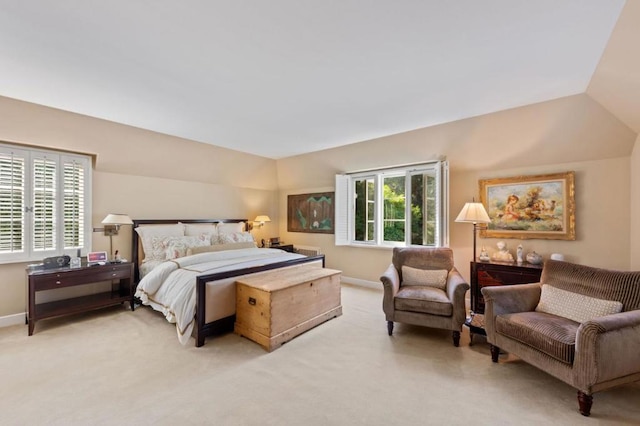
(473,213)
(262,219)
(117,219)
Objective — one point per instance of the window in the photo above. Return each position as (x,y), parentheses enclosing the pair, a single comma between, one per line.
(45,205)
(393,207)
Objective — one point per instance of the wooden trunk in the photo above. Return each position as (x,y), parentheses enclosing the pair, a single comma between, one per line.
(276,306)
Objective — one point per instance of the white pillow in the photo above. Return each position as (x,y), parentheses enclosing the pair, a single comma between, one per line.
(230,228)
(175,247)
(219,247)
(148,232)
(196,229)
(430,277)
(575,306)
(235,237)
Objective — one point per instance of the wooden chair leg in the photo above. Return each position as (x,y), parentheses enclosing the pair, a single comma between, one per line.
(390,327)
(456,338)
(585,401)
(495,353)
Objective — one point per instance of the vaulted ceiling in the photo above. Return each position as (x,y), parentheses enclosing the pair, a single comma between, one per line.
(285,77)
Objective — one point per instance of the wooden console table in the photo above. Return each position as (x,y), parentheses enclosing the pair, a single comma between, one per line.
(49,279)
(485,274)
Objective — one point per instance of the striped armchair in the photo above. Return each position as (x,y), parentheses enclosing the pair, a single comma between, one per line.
(579,324)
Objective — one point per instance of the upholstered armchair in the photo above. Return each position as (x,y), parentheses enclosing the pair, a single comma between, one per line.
(423,287)
(579,324)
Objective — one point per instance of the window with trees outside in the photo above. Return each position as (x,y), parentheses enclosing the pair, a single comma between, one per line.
(45,206)
(400,206)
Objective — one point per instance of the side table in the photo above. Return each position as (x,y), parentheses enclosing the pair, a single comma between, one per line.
(485,274)
(49,279)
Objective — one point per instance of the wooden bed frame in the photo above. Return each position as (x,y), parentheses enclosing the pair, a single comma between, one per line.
(223,325)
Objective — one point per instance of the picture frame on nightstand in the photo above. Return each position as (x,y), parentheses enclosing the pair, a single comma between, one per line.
(96,257)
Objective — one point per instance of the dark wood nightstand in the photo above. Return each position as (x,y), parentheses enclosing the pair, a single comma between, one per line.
(285,247)
(484,274)
(119,274)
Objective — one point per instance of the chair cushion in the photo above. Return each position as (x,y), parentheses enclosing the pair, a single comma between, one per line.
(548,333)
(576,307)
(423,299)
(430,277)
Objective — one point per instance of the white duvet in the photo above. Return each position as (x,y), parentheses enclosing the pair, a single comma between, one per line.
(171,286)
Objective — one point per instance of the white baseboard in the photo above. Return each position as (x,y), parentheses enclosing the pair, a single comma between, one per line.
(362,283)
(10,320)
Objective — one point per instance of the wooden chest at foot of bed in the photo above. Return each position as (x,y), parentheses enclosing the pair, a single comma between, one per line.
(276,306)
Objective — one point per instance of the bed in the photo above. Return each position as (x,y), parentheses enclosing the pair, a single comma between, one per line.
(187,269)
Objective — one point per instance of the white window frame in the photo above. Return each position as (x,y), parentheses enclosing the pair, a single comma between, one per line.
(345,204)
(29,252)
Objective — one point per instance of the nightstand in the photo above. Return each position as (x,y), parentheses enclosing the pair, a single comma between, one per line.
(485,274)
(285,247)
(119,274)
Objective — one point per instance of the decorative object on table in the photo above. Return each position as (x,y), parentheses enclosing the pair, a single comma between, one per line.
(540,206)
(556,256)
(519,255)
(502,255)
(311,213)
(112,226)
(97,258)
(484,255)
(534,258)
(56,261)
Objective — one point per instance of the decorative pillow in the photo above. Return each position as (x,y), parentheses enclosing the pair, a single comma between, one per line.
(235,237)
(230,228)
(148,232)
(174,247)
(575,306)
(429,277)
(219,247)
(196,229)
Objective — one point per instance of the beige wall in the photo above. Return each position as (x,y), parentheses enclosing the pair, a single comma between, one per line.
(144,174)
(573,133)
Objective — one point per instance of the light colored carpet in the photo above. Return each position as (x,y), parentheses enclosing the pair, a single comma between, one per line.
(115,366)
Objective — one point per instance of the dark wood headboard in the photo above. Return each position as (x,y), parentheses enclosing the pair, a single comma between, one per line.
(136,246)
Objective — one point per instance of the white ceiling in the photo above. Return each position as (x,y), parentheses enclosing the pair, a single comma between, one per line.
(283,77)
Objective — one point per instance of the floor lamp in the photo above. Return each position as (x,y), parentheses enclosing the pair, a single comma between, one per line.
(476,214)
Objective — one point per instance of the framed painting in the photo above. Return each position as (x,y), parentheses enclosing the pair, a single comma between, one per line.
(311,213)
(525,207)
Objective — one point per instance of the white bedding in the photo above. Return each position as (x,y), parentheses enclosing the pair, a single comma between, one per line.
(171,286)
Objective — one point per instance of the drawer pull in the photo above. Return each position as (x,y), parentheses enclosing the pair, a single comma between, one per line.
(58,282)
(114,274)
(252,301)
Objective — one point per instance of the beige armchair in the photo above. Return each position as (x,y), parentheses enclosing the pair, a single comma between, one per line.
(567,326)
(422,287)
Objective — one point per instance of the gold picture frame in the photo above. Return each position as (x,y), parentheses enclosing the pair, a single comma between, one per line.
(530,207)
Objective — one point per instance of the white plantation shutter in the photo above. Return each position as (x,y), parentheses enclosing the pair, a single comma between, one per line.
(45,205)
(342,207)
(73,179)
(12,201)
